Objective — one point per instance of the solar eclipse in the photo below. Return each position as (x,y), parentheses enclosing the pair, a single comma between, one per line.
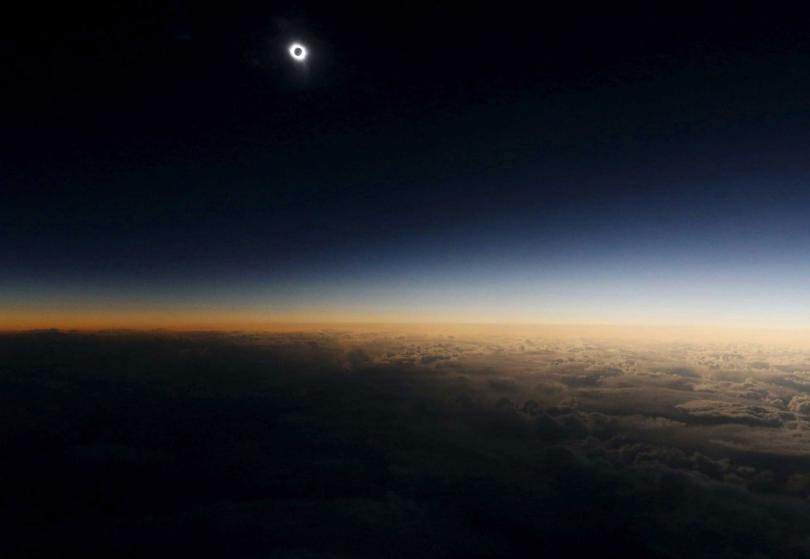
(298,52)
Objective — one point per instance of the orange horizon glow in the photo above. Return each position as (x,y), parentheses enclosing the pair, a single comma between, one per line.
(188,321)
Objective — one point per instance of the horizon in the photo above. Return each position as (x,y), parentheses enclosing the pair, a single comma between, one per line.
(663,333)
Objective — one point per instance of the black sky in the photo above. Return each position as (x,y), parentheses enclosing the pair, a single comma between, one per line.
(165,141)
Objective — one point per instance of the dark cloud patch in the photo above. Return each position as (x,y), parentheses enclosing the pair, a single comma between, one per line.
(590,376)
(428,359)
(357,358)
(684,372)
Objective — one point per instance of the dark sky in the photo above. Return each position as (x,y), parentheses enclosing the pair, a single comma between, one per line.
(555,163)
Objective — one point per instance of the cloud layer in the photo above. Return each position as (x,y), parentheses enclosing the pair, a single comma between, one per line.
(368,444)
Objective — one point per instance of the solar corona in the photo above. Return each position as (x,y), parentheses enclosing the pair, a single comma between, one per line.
(298,52)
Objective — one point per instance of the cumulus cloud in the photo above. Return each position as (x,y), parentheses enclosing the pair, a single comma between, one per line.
(800,404)
(732,412)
